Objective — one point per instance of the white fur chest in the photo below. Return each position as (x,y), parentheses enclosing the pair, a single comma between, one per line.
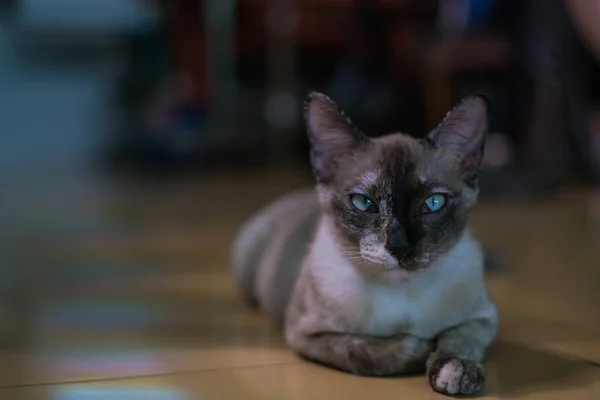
(422,306)
(446,294)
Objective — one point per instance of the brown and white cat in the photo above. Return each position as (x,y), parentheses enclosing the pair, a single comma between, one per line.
(376,273)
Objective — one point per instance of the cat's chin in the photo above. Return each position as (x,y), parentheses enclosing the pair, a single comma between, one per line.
(389,272)
(398,275)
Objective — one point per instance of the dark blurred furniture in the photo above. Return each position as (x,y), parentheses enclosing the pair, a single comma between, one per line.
(291,40)
(324,23)
(447,57)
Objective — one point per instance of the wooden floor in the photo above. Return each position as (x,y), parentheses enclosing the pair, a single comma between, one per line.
(120,289)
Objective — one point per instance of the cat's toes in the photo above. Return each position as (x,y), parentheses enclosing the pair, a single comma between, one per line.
(454,376)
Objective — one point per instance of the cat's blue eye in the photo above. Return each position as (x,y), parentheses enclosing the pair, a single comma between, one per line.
(363,203)
(434,203)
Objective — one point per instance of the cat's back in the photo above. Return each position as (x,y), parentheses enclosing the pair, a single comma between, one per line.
(269,248)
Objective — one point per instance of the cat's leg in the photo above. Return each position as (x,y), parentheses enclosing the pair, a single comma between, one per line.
(455,367)
(365,355)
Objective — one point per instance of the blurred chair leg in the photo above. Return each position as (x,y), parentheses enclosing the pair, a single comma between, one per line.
(218,57)
(438,87)
(548,43)
(281,105)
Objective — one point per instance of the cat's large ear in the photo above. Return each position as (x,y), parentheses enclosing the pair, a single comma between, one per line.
(462,134)
(331,134)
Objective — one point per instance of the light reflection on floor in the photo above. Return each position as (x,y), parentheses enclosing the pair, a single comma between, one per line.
(125,393)
(94,315)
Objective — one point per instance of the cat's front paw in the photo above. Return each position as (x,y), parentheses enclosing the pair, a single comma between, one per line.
(454,376)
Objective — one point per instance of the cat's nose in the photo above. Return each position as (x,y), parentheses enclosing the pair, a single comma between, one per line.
(398,244)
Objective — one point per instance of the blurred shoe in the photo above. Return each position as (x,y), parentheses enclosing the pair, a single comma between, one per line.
(174,124)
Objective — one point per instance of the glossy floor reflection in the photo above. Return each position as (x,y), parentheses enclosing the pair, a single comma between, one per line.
(120,288)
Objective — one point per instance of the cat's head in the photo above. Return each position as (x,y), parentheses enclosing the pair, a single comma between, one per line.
(396,202)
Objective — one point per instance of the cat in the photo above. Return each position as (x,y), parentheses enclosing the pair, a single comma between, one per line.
(375,272)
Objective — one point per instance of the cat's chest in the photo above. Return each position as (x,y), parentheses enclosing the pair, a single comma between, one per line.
(417,308)
(443,295)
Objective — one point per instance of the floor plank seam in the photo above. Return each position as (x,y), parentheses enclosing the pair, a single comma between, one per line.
(147,376)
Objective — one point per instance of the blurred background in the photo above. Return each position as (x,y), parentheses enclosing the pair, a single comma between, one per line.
(136,135)
(150,86)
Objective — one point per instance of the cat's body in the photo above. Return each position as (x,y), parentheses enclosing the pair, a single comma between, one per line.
(375,272)
(280,238)
(270,249)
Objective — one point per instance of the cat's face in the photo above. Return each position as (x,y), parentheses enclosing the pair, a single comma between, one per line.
(396,203)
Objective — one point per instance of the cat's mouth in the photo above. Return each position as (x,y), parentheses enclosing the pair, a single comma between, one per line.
(413,264)
(373,252)
(387,263)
